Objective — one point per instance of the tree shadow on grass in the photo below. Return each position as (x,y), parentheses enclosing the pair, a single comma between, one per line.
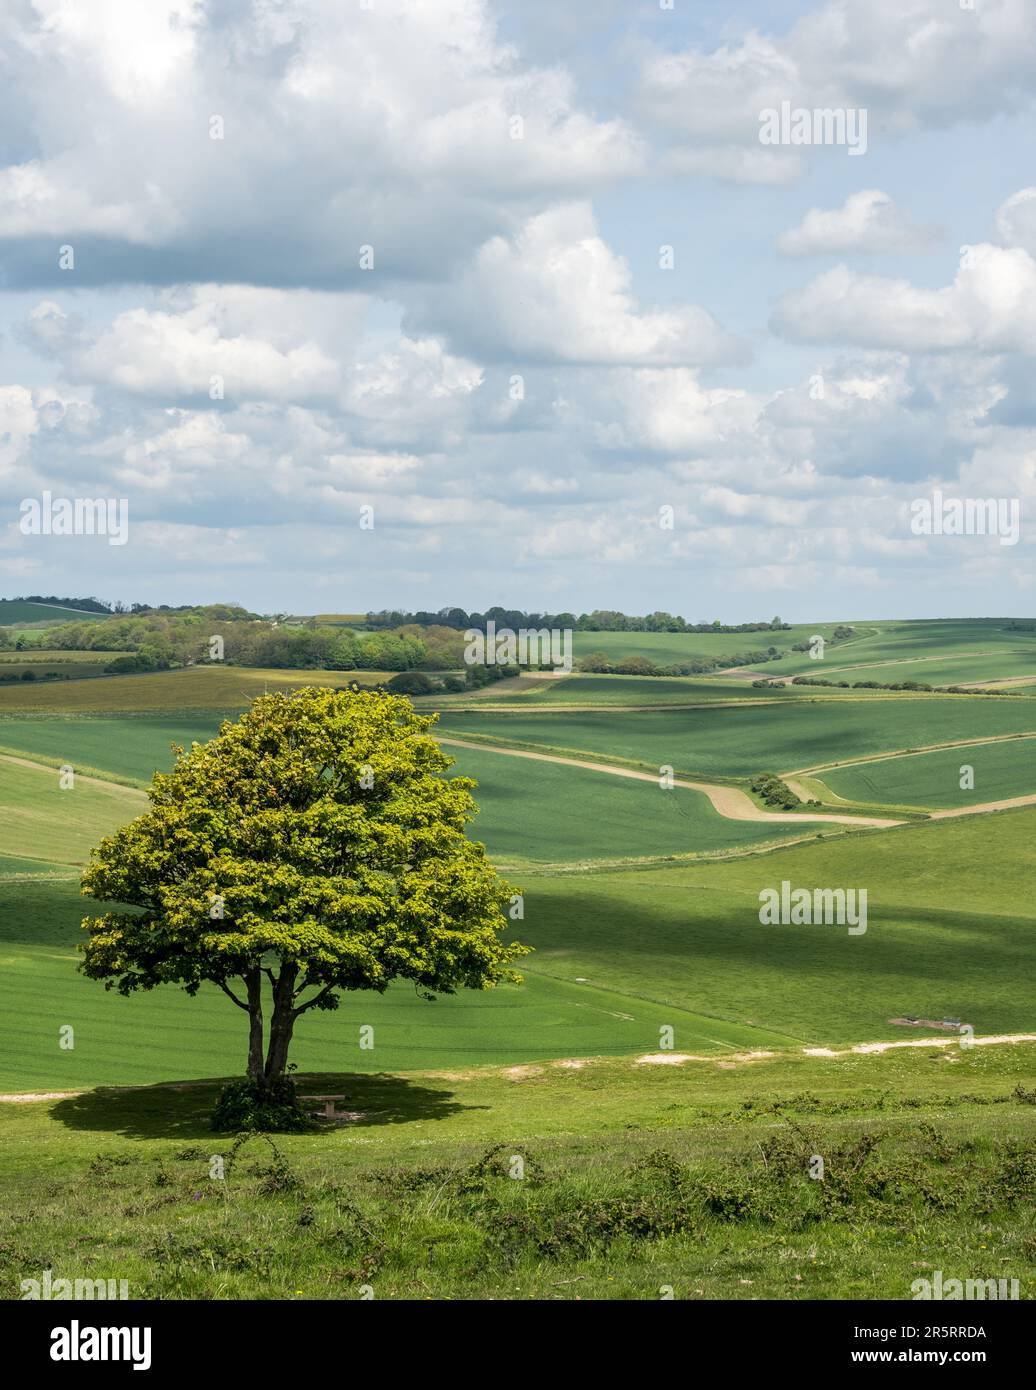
(182,1110)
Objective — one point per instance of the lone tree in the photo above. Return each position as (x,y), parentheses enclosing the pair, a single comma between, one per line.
(313,843)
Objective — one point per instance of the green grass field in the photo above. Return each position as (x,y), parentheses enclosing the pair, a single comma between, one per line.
(619,691)
(43,662)
(135,1041)
(689,1171)
(39,820)
(964,649)
(932,780)
(10,866)
(534,811)
(1015,664)
(127,748)
(666,647)
(738,742)
(618,956)
(52,670)
(529,811)
(16,611)
(954,895)
(940,652)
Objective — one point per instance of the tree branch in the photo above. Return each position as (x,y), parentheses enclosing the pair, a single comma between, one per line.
(310,1002)
(231,995)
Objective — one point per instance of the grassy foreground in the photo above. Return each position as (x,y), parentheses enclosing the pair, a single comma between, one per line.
(602,1180)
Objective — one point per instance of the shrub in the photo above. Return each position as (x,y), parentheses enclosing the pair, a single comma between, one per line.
(775,792)
(273,1107)
(411,683)
(636,666)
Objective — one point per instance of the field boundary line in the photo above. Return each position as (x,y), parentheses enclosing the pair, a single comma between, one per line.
(790,1039)
(557,868)
(904,661)
(906,753)
(815,696)
(127,789)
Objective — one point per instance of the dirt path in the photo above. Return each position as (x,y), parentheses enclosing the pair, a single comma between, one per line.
(14,1097)
(953,1041)
(800,790)
(866,1049)
(984,807)
(998,681)
(730,802)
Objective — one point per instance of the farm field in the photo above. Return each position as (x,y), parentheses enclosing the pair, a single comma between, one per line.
(126,748)
(373,929)
(618,956)
(134,1041)
(15,612)
(619,691)
(47,656)
(550,813)
(958,649)
(528,812)
(932,780)
(738,742)
(10,865)
(39,820)
(42,662)
(631,692)
(956,894)
(1008,665)
(664,648)
(948,645)
(46,671)
(221,688)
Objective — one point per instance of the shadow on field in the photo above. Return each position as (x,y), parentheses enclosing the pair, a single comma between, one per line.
(182,1109)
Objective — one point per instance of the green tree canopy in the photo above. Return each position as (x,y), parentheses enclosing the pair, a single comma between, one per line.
(314,843)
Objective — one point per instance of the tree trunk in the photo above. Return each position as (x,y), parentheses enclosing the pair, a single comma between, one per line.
(254,982)
(282,1023)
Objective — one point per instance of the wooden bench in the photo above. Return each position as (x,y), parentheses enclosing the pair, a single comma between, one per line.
(330,1113)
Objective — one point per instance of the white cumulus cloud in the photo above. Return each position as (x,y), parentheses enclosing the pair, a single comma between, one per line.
(866,221)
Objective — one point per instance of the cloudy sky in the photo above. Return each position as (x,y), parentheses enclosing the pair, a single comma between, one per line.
(519,275)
